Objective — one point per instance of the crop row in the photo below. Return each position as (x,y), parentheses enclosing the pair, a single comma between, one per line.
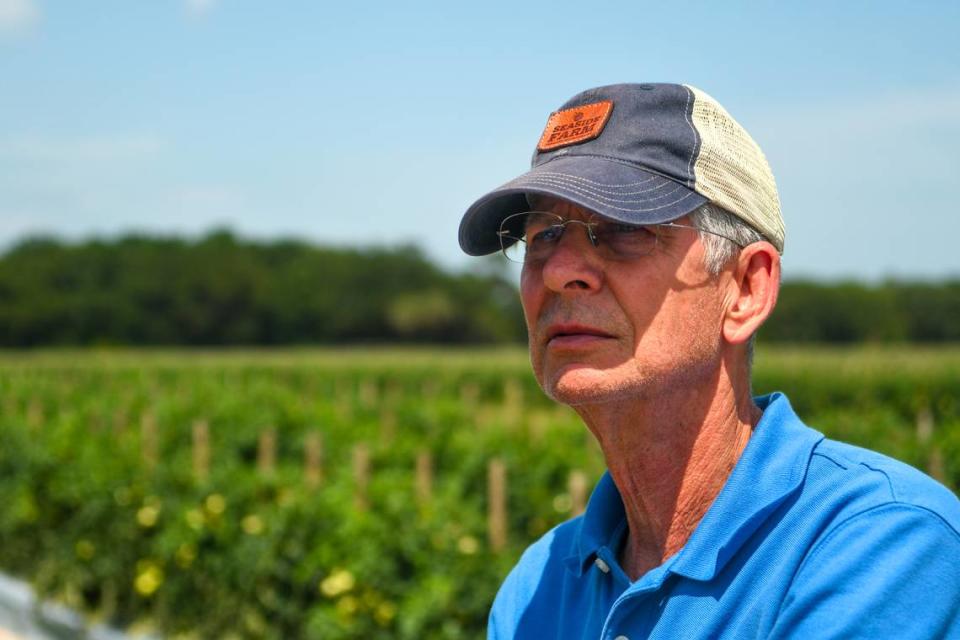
(339,495)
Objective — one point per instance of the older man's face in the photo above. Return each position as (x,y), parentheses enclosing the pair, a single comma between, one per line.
(602,329)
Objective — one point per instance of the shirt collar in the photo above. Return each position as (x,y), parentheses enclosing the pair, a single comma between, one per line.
(771,468)
(604,521)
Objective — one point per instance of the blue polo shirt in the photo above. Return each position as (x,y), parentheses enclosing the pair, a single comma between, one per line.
(809,538)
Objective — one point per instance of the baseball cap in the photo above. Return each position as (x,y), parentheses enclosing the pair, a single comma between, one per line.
(638,154)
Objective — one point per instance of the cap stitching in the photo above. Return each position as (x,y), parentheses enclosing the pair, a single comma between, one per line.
(639,210)
(598,193)
(618,160)
(588,180)
(595,186)
(608,204)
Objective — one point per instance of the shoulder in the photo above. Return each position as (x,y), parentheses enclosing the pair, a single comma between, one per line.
(887,546)
(831,482)
(866,484)
(539,569)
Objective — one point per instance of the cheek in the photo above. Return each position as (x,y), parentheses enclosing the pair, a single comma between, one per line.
(685,325)
(531,295)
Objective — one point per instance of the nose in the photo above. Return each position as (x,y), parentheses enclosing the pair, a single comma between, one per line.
(574,264)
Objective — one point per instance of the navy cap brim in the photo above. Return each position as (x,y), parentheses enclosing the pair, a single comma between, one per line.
(613,189)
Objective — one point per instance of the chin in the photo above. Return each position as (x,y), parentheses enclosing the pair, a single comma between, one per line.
(578,385)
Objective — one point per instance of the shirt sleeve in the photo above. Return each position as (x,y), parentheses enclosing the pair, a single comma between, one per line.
(890,572)
(518,590)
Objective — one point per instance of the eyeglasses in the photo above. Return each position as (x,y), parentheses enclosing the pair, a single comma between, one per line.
(531,237)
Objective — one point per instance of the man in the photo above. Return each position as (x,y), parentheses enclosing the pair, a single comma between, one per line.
(650,234)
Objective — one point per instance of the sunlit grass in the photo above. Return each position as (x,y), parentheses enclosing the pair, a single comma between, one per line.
(887,358)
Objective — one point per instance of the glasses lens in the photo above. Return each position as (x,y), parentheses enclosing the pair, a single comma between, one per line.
(542,234)
(511,237)
(516,252)
(625,241)
(529,236)
(532,236)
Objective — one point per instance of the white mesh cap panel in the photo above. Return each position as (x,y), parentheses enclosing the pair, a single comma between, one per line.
(732,171)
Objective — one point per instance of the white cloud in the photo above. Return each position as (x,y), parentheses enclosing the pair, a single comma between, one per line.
(17,16)
(200,7)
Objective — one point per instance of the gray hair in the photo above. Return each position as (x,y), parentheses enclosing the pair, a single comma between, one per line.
(723,235)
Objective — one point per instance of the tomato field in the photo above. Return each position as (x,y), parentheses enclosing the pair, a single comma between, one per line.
(378,493)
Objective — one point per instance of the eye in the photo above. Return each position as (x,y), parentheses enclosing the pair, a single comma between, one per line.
(624,229)
(544,236)
(625,240)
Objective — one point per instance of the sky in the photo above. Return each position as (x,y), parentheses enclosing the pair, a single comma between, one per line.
(379,123)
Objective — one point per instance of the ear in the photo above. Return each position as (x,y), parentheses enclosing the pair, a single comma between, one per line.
(754,285)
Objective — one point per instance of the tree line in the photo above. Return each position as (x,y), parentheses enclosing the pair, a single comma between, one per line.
(848,312)
(224,290)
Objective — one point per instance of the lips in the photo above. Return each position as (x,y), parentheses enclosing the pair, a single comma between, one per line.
(573,334)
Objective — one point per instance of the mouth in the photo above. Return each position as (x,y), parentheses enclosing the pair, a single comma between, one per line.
(572,335)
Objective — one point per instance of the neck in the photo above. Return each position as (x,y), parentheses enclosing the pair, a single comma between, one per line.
(669,457)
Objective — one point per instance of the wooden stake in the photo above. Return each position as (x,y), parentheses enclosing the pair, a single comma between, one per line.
(935,465)
(361,476)
(577,485)
(924,425)
(424,477)
(313,453)
(497,504)
(925,428)
(201,450)
(267,452)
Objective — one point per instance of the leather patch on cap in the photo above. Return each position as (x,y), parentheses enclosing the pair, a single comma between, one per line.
(577,124)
